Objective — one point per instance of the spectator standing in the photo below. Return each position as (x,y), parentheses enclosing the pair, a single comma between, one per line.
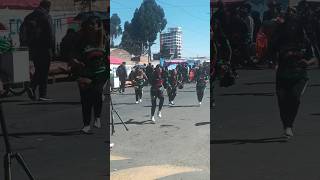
(122,74)
(37,33)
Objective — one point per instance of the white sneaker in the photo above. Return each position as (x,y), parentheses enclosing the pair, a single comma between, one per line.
(199,103)
(288,132)
(86,129)
(159,114)
(140,100)
(111,145)
(97,123)
(137,102)
(172,102)
(153,119)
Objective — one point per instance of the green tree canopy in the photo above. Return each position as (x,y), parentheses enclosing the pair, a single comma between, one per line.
(127,42)
(115,28)
(147,22)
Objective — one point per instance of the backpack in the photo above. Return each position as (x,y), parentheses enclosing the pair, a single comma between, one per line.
(28,31)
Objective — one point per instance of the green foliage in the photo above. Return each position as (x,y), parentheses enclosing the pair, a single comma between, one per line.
(127,42)
(115,28)
(146,23)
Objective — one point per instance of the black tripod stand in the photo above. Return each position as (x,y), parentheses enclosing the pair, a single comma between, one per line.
(9,154)
(112,117)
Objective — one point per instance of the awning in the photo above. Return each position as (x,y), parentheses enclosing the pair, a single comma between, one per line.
(19,4)
(115,60)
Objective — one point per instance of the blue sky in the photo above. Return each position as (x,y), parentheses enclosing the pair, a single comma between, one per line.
(193,16)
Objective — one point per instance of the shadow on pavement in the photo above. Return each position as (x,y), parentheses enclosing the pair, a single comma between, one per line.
(125,94)
(184,106)
(247,94)
(259,83)
(249,141)
(151,106)
(201,123)
(313,85)
(56,133)
(315,114)
(49,103)
(166,125)
(123,104)
(12,101)
(131,121)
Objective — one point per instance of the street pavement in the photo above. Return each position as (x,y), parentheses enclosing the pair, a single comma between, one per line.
(176,147)
(47,135)
(246,132)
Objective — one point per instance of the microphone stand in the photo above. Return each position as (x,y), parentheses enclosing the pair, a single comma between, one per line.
(9,154)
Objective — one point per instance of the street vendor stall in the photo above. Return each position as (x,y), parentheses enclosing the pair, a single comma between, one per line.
(168,63)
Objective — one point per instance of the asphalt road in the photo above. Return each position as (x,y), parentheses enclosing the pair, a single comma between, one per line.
(47,135)
(176,147)
(245,139)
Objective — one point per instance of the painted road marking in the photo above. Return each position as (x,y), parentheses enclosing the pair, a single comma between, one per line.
(117,158)
(150,172)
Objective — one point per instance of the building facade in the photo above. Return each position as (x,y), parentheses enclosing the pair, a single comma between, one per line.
(172,40)
(62,12)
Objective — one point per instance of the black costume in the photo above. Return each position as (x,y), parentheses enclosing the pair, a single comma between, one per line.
(291,44)
(156,91)
(172,85)
(201,79)
(139,80)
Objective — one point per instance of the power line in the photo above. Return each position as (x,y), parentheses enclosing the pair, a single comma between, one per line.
(184,10)
(123,5)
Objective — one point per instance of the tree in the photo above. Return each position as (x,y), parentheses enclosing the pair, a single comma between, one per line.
(147,22)
(115,28)
(127,42)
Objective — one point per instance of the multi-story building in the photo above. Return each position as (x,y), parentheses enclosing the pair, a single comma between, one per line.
(172,40)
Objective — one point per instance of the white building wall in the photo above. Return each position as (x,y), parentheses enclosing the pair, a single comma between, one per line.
(172,39)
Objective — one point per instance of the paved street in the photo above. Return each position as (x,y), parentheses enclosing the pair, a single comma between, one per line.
(175,147)
(47,136)
(246,131)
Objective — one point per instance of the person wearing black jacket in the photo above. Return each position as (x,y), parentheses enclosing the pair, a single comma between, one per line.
(294,53)
(122,74)
(149,71)
(41,48)
(67,45)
